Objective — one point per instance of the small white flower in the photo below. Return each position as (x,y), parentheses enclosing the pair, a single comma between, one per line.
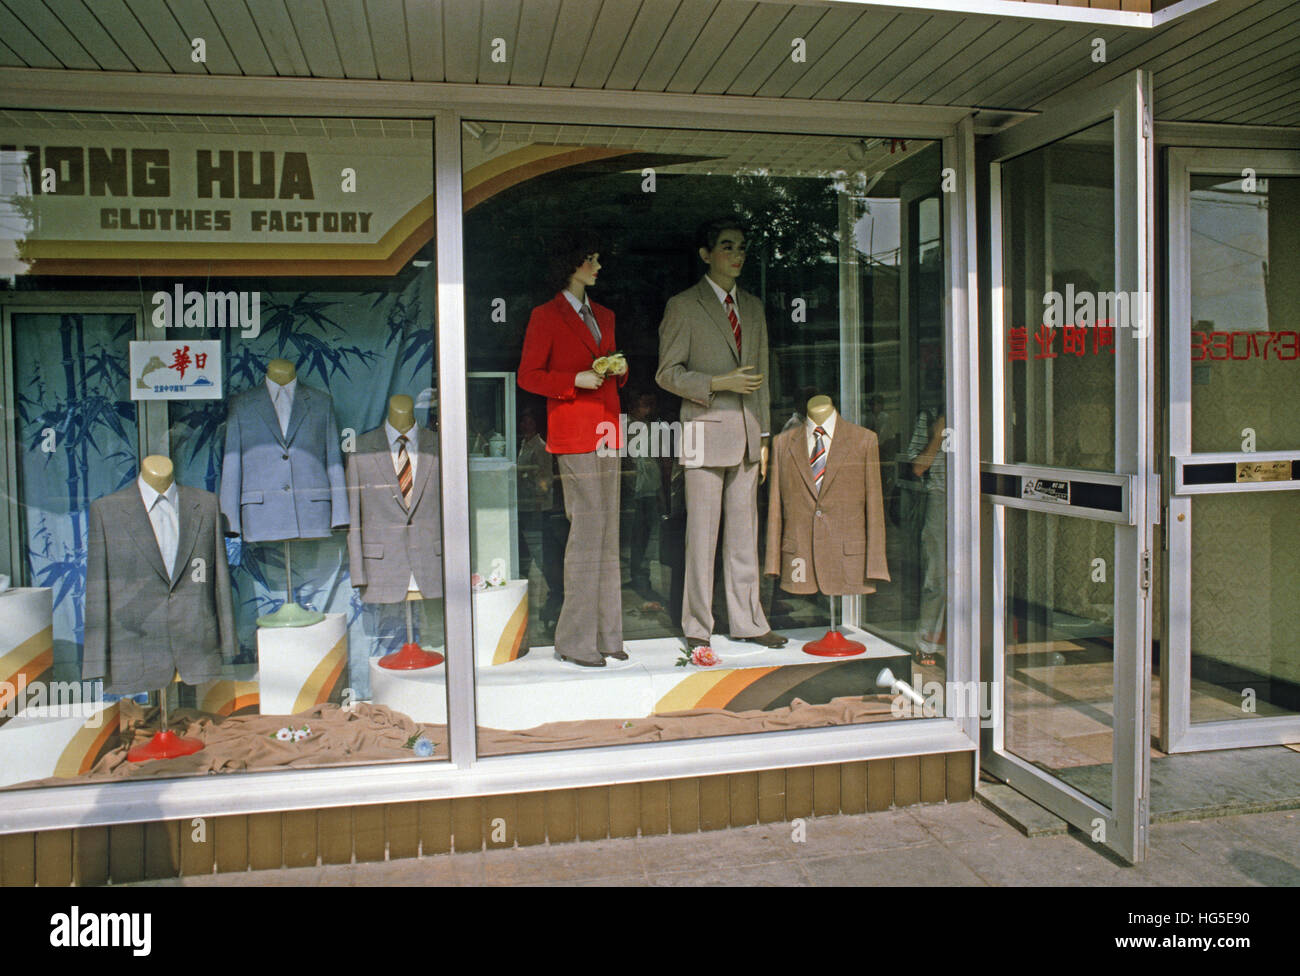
(284,735)
(496,579)
(300,734)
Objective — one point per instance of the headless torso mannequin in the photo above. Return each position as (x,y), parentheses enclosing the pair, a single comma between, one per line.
(281,371)
(401,414)
(158,473)
(820,409)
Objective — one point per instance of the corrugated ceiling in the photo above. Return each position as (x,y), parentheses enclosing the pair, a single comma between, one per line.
(1232,61)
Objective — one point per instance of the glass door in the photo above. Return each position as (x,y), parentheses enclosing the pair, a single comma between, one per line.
(1065,478)
(1233,629)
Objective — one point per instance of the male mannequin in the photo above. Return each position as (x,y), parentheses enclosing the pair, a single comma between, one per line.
(282,470)
(713,354)
(162,604)
(395,533)
(826,516)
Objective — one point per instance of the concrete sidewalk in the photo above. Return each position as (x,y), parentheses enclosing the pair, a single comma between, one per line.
(942,844)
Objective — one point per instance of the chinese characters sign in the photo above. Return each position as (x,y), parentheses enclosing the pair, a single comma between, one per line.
(1074,340)
(178,369)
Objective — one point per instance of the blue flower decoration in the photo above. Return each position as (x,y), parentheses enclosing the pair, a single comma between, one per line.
(423,747)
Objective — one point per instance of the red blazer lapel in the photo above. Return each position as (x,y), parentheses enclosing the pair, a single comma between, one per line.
(578,327)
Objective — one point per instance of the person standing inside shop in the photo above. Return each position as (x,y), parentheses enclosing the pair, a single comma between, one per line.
(929,464)
(713,354)
(564,339)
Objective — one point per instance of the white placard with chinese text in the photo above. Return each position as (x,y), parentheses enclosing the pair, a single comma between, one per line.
(176,369)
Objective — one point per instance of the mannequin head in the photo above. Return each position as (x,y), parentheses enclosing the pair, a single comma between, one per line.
(575,261)
(721,246)
(820,408)
(401,412)
(281,371)
(157,472)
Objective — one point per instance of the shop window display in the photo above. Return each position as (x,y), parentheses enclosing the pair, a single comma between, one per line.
(225,449)
(727,504)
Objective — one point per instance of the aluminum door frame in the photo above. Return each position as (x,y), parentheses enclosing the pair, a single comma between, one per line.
(1123,826)
(1177,732)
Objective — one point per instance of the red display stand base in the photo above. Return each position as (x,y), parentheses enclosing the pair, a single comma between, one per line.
(164,745)
(412,657)
(834,644)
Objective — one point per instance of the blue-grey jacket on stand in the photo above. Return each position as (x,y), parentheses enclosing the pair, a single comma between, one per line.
(283,486)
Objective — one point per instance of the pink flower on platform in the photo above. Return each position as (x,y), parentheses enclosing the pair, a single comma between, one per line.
(704,657)
(477,583)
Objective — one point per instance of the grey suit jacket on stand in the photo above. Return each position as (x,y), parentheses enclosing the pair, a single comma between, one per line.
(387,542)
(278,486)
(695,344)
(142,626)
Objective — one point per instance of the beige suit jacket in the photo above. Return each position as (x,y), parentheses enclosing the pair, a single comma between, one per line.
(832,540)
(696,344)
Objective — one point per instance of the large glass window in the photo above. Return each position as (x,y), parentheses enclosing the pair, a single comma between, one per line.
(220,351)
(662,539)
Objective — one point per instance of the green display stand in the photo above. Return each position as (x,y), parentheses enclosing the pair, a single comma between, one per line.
(290,615)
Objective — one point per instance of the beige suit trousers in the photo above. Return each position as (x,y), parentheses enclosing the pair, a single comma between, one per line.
(591,620)
(731,494)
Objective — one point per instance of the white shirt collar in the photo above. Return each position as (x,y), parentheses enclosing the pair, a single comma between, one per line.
(577,302)
(393,433)
(150,495)
(722,295)
(273,388)
(828,425)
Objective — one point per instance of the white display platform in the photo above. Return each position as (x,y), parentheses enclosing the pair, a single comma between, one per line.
(26,643)
(501,623)
(56,740)
(493,527)
(420,695)
(538,688)
(301,667)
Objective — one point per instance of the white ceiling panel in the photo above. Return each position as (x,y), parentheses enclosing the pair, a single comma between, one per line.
(195,20)
(276,30)
(643,37)
(1230,60)
(500,22)
(424,39)
(711,43)
(157,20)
(608,36)
(312,26)
(347,20)
(687,22)
(54,35)
(388,43)
(536,28)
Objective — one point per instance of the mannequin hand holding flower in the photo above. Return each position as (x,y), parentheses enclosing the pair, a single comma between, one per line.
(588,380)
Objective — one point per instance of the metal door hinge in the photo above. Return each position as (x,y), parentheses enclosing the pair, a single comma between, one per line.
(1146,570)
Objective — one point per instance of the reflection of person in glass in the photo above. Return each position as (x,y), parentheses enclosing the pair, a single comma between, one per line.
(564,339)
(929,464)
(713,354)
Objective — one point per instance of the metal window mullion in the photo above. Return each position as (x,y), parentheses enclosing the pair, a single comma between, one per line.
(452,412)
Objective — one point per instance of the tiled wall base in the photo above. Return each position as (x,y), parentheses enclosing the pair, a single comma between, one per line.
(131,852)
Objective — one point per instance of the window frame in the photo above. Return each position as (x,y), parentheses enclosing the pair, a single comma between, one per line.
(466,774)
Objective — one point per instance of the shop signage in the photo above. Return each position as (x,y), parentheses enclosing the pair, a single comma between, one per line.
(1254,344)
(1044,490)
(87,202)
(176,369)
(1263,471)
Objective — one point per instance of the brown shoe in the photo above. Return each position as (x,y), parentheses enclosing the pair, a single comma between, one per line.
(619,655)
(769,639)
(693,642)
(582,662)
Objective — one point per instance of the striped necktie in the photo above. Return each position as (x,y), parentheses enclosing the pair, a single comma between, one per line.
(404,479)
(818,459)
(735,322)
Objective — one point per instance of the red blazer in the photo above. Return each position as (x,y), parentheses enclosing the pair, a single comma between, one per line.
(558,346)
